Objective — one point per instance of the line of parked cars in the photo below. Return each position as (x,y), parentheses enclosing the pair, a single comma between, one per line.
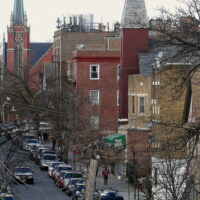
(71,182)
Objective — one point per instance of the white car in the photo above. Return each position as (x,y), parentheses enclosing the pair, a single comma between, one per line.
(47,159)
(52,166)
(29,143)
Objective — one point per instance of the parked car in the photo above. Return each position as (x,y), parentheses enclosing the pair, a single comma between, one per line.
(46,160)
(25,137)
(39,153)
(30,142)
(6,196)
(79,192)
(52,166)
(32,152)
(65,180)
(23,175)
(56,172)
(71,186)
(107,194)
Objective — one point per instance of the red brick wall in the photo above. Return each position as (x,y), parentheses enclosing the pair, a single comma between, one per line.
(133,41)
(11,45)
(107,84)
(138,145)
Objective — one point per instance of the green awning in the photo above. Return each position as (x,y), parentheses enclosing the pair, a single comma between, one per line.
(116,140)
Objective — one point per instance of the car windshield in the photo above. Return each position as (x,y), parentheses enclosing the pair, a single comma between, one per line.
(64,168)
(80,187)
(32,141)
(49,157)
(68,175)
(49,152)
(76,175)
(22,170)
(54,164)
(34,148)
(8,198)
(74,181)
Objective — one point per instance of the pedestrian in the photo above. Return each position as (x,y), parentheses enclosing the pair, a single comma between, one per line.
(53,143)
(105,174)
(45,137)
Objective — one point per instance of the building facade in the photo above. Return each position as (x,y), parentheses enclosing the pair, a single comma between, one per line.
(96,75)
(18,45)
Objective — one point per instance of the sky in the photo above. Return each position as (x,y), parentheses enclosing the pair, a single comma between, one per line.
(42,14)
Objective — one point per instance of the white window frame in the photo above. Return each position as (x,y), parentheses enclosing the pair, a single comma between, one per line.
(94,65)
(118,69)
(117,97)
(94,122)
(93,102)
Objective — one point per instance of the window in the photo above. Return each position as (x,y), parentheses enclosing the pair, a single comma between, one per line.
(118,71)
(94,122)
(133,104)
(94,71)
(94,97)
(117,97)
(141,105)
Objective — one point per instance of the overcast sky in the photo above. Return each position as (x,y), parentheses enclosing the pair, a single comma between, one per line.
(42,14)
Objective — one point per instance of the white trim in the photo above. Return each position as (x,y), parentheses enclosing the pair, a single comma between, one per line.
(140,128)
(139,95)
(156,83)
(123,120)
(118,69)
(117,97)
(177,64)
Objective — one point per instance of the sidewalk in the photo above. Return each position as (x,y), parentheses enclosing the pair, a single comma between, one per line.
(125,190)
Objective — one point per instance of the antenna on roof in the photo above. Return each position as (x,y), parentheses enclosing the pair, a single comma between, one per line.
(58,21)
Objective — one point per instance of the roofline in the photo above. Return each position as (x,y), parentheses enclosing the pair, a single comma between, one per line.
(42,56)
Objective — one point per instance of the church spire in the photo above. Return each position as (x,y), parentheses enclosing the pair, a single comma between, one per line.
(134,14)
(18,12)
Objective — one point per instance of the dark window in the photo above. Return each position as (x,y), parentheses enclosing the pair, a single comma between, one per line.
(133,104)
(141,104)
(94,72)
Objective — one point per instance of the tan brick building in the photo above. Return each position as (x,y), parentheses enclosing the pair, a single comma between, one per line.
(170,100)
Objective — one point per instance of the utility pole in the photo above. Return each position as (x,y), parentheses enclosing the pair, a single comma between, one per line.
(91,178)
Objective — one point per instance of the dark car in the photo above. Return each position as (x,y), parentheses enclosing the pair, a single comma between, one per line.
(79,192)
(107,194)
(71,186)
(5,196)
(23,175)
(32,152)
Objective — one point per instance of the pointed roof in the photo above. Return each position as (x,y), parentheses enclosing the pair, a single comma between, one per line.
(18,12)
(134,14)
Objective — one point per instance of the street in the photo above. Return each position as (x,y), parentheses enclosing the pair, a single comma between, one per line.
(43,189)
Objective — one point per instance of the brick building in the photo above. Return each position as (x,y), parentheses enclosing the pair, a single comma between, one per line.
(134,40)
(19,53)
(96,74)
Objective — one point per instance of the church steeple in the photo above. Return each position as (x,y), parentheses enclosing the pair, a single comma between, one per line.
(18,12)
(134,14)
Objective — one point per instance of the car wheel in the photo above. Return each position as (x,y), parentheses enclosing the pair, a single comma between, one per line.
(32,181)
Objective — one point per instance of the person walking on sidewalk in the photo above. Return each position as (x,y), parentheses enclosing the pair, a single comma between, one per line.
(53,143)
(105,174)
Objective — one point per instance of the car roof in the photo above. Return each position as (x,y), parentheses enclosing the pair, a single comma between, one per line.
(71,179)
(64,165)
(22,168)
(47,154)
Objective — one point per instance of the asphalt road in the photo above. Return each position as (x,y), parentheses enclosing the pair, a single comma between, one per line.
(43,189)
